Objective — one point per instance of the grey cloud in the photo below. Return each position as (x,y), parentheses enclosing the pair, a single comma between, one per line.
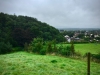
(58,13)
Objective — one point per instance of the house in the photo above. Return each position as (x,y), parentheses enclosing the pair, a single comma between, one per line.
(68,38)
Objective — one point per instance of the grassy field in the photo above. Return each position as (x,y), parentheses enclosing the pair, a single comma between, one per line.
(22,63)
(84,48)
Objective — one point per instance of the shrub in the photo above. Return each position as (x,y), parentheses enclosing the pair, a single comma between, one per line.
(66,51)
(43,52)
(72,48)
(36,45)
(49,47)
(63,52)
(60,49)
(95,56)
(55,49)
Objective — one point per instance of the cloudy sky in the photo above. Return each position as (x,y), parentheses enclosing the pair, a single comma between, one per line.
(57,13)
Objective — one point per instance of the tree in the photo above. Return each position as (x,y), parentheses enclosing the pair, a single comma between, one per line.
(81,36)
(72,49)
(20,29)
(5,47)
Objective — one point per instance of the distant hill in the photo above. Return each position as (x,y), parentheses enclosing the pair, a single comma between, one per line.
(76,29)
(20,29)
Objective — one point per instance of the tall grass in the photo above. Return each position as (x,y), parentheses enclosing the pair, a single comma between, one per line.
(22,63)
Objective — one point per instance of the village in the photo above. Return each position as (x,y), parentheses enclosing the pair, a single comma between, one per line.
(82,36)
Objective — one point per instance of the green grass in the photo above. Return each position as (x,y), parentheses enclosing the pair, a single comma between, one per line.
(84,48)
(22,63)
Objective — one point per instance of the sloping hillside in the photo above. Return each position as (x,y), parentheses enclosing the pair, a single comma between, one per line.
(20,29)
(22,63)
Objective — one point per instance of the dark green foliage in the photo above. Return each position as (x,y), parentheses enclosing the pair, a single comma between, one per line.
(5,47)
(81,35)
(43,52)
(66,51)
(20,29)
(21,36)
(54,61)
(68,48)
(95,56)
(62,66)
(69,33)
(43,47)
(49,47)
(55,49)
(72,48)
(36,46)
(60,49)
(15,49)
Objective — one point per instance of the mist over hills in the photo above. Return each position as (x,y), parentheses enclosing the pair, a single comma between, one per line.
(75,29)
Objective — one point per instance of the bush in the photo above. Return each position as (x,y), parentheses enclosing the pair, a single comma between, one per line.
(72,48)
(36,45)
(49,47)
(5,47)
(68,48)
(41,47)
(60,49)
(95,56)
(43,52)
(66,51)
(55,49)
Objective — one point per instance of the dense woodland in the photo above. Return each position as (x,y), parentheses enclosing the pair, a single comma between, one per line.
(15,31)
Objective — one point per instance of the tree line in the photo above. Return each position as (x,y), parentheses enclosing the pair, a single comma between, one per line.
(15,31)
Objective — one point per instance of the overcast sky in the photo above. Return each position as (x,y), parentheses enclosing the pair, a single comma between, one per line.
(57,13)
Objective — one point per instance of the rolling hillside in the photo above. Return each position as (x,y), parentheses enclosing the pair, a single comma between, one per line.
(22,63)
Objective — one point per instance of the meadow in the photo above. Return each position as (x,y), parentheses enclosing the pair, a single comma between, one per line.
(23,63)
(93,48)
